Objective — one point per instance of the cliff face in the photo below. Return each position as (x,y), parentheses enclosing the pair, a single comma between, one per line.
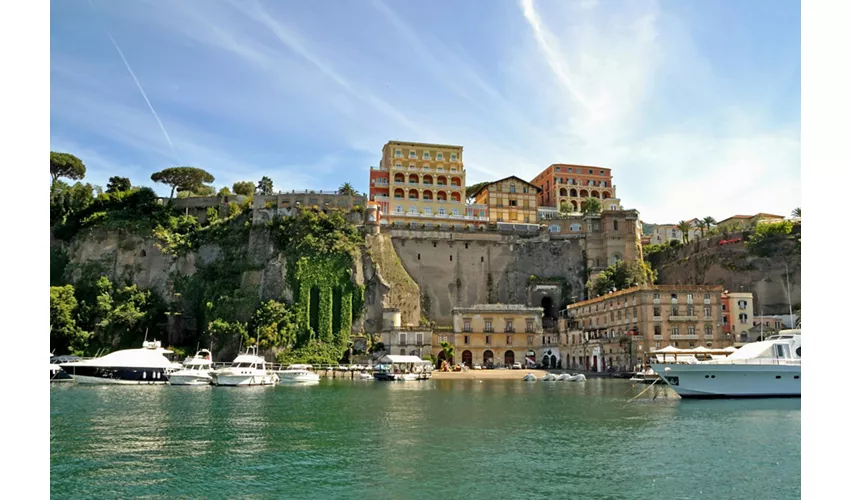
(263,267)
(707,262)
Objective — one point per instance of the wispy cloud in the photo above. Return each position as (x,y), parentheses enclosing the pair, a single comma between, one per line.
(251,88)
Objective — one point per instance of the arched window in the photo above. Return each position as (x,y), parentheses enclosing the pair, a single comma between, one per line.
(399,209)
(575,227)
(554,228)
(413,210)
(441,211)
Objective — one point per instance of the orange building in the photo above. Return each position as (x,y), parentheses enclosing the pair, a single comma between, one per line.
(571,184)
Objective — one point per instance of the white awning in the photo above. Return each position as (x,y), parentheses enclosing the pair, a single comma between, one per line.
(396,358)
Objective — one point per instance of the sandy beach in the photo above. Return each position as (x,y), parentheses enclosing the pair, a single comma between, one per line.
(487,374)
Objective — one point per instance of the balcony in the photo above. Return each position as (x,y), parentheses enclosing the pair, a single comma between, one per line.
(683,337)
(381,198)
(683,318)
(657,318)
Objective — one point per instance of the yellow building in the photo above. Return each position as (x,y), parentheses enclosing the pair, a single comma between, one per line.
(422,185)
(618,328)
(511,200)
(494,335)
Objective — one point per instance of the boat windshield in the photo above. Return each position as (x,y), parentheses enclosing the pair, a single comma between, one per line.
(243,365)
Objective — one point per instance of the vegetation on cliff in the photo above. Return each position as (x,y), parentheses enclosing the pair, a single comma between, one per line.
(620,276)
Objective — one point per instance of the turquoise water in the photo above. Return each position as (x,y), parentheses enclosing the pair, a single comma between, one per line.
(412,440)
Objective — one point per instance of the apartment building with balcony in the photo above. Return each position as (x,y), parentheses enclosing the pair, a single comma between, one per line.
(568,185)
(423,185)
(617,329)
(737,310)
(495,335)
(510,200)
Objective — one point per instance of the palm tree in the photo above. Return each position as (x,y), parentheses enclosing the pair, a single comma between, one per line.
(449,351)
(348,189)
(796,212)
(702,227)
(709,222)
(684,227)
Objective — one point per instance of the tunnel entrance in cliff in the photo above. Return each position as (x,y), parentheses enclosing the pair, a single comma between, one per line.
(548,307)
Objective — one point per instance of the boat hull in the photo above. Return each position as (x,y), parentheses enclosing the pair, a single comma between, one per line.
(59,375)
(117,375)
(243,380)
(299,380)
(713,381)
(189,379)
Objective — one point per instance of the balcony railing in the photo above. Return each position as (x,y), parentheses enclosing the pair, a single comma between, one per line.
(683,318)
(684,337)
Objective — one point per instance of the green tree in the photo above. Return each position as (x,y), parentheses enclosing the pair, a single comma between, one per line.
(66,165)
(684,227)
(767,239)
(265,187)
(117,184)
(347,188)
(65,335)
(620,276)
(225,332)
(184,179)
(591,206)
(473,189)
(796,212)
(449,351)
(244,188)
(702,227)
(274,325)
(709,222)
(225,191)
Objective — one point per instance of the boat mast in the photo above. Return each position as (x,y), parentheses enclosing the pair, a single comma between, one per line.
(788,286)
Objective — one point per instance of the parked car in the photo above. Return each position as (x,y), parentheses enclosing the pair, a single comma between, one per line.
(517,365)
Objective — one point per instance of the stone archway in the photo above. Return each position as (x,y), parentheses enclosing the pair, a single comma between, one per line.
(466,358)
(509,358)
(488,358)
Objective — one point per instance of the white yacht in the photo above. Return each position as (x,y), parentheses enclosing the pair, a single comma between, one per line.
(144,366)
(247,369)
(298,374)
(196,370)
(57,374)
(770,368)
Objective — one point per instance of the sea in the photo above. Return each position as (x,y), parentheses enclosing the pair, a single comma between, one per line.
(435,439)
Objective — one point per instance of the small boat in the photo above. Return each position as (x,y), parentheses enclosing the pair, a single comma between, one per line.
(365,376)
(296,374)
(196,370)
(145,366)
(402,368)
(578,377)
(770,368)
(647,376)
(564,376)
(530,377)
(549,377)
(247,369)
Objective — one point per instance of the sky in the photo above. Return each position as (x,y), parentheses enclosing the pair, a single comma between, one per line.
(693,105)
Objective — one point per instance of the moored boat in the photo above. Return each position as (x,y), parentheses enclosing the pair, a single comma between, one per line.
(247,369)
(770,368)
(298,374)
(144,366)
(57,374)
(195,371)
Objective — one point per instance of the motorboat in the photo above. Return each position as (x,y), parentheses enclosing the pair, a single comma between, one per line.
(144,366)
(769,368)
(564,376)
(365,376)
(195,371)
(298,374)
(578,377)
(402,368)
(57,374)
(247,369)
(530,377)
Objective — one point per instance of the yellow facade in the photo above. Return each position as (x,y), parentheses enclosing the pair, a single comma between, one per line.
(426,184)
(494,335)
(510,200)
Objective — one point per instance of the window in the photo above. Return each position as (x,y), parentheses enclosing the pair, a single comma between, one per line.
(402,352)
(466,339)
(466,326)
(619,315)
(675,330)
(488,327)
(525,189)
(656,311)
(509,325)
(402,339)
(578,170)
(398,155)
(690,310)
(742,318)
(656,296)
(530,340)
(569,170)
(426,155)
(529,325)
(441,211)
(674,297)
(708,331)
(557,169)
(487,339)
(690,298)
(456,212)
(420,339)
(674,311)
(692,330)
(526,219)
(508,339)
(454,157)
(439,156)
(657,330)
(554,228)
(399,209)
(706,298)
(590,172)
(575,228)
(707,311)
(742,304)
(412,154)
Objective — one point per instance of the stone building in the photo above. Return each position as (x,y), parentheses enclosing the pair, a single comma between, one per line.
(509,200)
(737,309)
(404,340)
(568,186)
(496,335)
(617,329)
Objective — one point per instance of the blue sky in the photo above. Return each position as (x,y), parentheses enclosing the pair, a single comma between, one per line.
(694,105)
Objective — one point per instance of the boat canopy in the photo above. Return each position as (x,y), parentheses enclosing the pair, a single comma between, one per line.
(396,358)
